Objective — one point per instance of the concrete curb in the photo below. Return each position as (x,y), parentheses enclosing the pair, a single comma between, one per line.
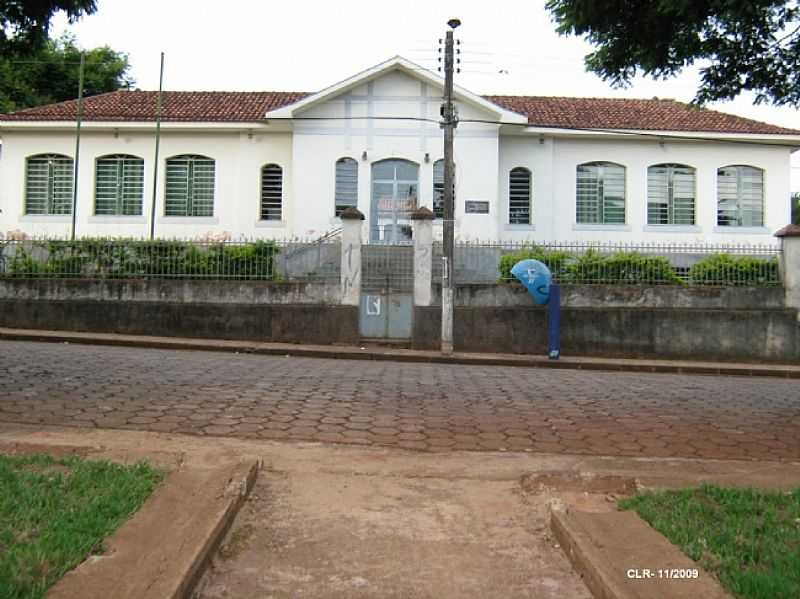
(404,355)
(620,557)
(163,550)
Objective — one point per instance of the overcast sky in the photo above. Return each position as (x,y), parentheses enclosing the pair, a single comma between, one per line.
(308,45)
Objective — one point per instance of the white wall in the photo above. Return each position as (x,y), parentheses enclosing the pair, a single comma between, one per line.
(553,164)
(238,160)
(308,156)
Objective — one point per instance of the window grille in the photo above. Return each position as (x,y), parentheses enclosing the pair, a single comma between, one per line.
(48,184)
(271,192)
(346,192)
(740,196)
(190,186)
(600,197)
(670,194)
(519,196)
(119,185)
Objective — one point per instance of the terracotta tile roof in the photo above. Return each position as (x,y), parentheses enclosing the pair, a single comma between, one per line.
(567,113)
(646,115)
(178,106)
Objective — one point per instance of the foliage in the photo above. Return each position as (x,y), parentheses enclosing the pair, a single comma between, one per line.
(554,260)
(104,258)
(796,208)
(594,267)
(55,513)
(744,45)
(622,267)
(50,73)
(734,270)
(24,25)
(748,538)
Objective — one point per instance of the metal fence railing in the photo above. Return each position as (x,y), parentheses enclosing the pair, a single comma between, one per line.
(620,263)
(171,259)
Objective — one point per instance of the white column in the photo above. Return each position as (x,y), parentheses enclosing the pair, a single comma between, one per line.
(351,257)
(423,255)
(790,264)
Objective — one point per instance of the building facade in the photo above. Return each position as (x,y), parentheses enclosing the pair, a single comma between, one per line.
(284,165)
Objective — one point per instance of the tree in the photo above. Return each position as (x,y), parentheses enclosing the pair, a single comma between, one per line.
(796,208)
(25,24)
(50,74)
(741,45)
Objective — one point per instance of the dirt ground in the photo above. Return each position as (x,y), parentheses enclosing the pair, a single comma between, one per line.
(350,534)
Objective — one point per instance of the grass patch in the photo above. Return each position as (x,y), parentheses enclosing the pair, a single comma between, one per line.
(54,513)
(749,539)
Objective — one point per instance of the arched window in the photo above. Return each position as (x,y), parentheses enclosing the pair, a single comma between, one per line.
(48,184)
(740,196)
(118,185)
(190,186)
(600,193)
(519,196)
(346,192)
(271,192)
(670,194)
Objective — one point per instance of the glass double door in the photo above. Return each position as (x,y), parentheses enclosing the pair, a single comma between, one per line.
(394,198)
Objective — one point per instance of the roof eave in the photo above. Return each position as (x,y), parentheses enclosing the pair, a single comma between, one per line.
(788,140)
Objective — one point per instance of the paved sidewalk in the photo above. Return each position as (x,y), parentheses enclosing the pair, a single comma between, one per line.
(406,355)
(399,404)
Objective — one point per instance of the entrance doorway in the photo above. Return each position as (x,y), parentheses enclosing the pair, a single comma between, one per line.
(395,184)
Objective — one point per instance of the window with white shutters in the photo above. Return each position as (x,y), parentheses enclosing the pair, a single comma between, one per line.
(119,185)
(346,191)
(600,193)
(670,194)
(519,196)
(48,184)
(740,196)
(271,192)
(190,186)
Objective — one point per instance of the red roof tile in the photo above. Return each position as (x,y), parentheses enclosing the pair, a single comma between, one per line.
(642,115)
(178,106)
(565,113)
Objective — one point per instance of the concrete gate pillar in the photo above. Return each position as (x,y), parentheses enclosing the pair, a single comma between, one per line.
(351,256)
(790,264)
(423,255)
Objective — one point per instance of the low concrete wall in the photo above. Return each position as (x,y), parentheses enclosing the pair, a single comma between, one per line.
(623,296)
(171,290)
(676,333)
(316,324)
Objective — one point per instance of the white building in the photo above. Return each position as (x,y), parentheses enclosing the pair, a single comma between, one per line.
(281,165)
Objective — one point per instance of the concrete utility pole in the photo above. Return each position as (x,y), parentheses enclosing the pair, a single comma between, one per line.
(159,104)
(449,123)
(79,119)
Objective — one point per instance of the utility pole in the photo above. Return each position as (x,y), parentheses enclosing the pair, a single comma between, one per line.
(449,123)
(159,104)
(79,119)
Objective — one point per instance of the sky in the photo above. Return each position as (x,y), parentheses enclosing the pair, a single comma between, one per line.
(309,45)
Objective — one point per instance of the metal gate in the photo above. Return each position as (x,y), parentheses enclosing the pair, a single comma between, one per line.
(387,291)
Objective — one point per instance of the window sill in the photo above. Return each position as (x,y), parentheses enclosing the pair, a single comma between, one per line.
(531,227)
(270,224)
(188,220)
(672,229)
(114,219)
(599,227)
(45,218)
(742,230)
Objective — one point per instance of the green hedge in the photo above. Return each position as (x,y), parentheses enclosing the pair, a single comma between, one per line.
(131,259)
(724,269)
(634,268)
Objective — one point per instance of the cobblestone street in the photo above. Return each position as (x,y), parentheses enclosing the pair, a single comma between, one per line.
(414,406)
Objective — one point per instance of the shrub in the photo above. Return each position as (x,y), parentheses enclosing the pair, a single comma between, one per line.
(556,261)
(622,267)
(724,269)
